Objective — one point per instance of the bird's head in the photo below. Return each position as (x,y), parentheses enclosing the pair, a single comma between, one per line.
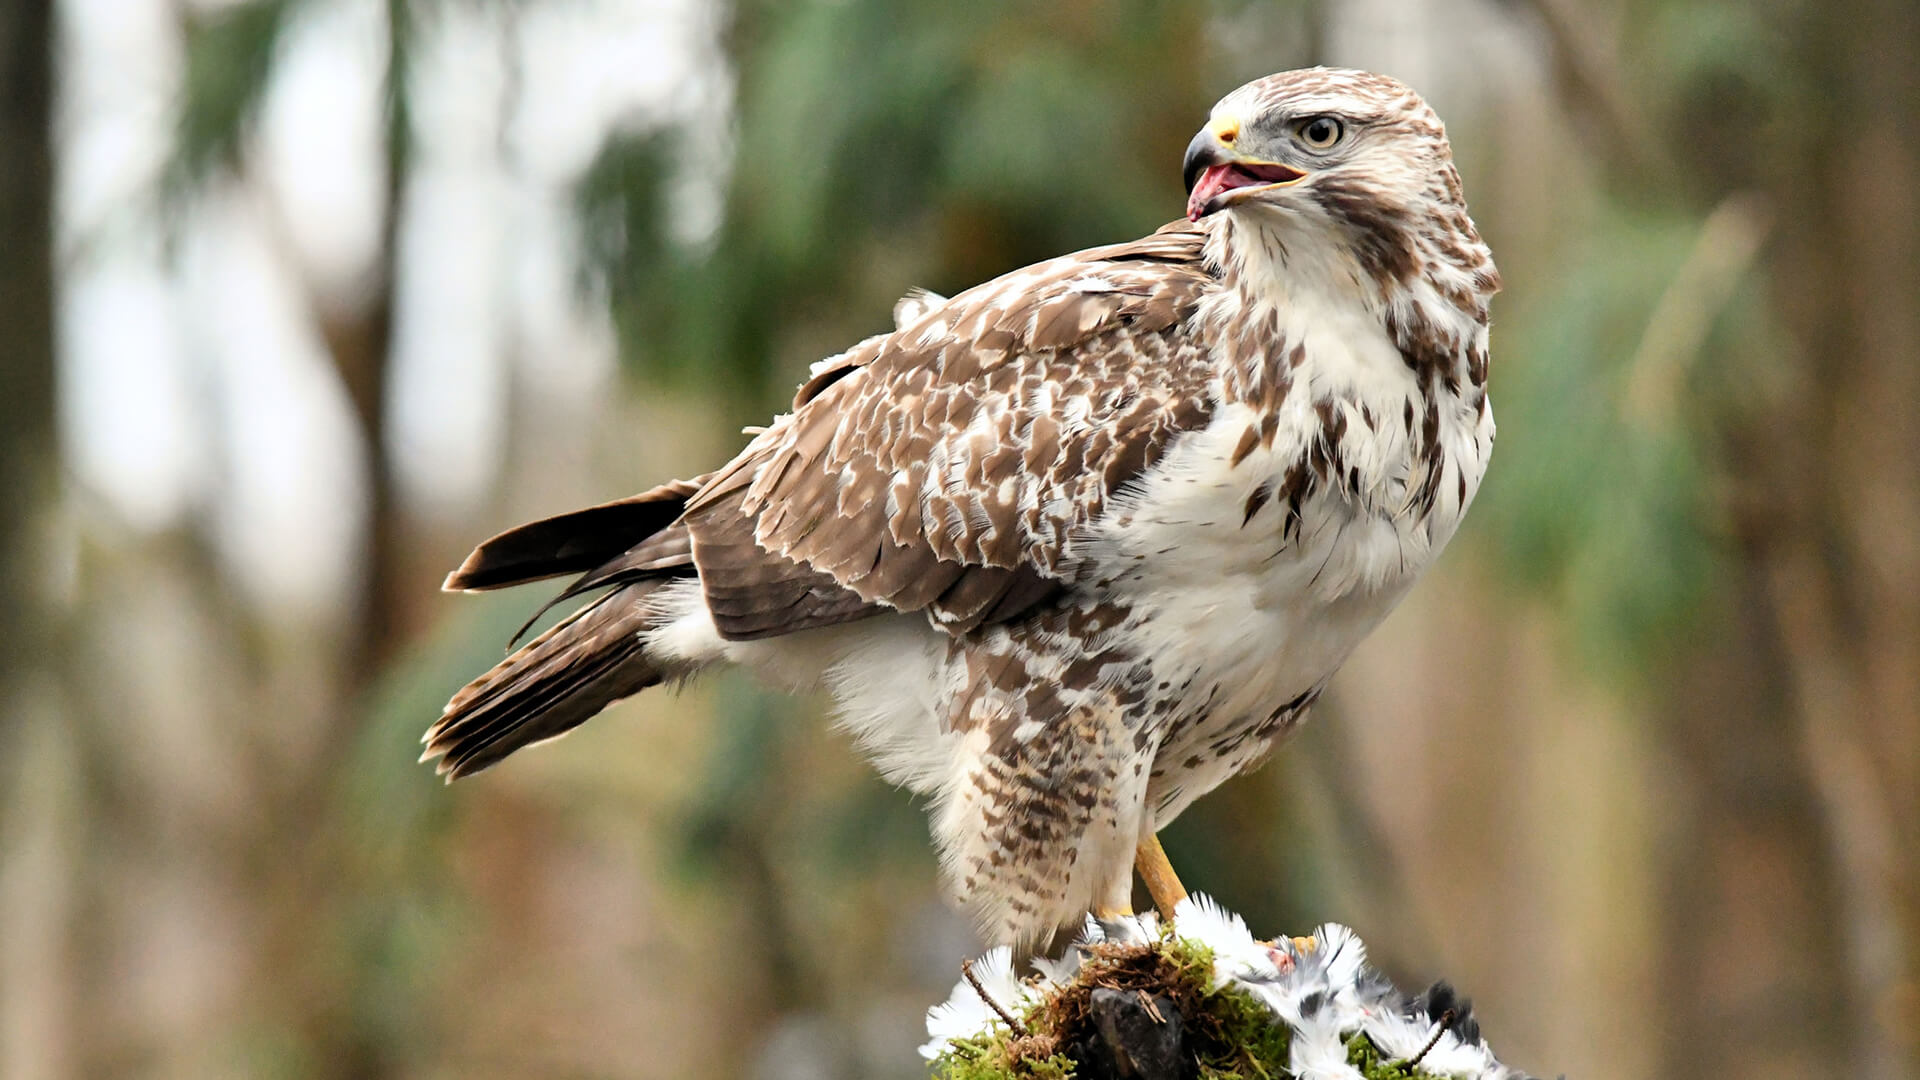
(1348,159)
(1284,141)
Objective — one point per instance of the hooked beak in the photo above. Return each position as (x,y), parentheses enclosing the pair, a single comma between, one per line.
(1214,173)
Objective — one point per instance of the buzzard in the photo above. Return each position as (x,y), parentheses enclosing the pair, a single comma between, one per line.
(1075,545)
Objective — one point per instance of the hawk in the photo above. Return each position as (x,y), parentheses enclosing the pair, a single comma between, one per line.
(1076,545)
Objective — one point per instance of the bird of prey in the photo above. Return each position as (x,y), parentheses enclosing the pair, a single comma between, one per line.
(1076,545)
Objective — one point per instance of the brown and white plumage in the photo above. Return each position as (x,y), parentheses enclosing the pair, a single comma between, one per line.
(1079,543)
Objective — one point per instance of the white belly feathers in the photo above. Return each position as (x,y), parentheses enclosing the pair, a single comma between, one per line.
(1253,574)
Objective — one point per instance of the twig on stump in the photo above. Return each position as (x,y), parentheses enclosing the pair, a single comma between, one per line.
(1446,1022)
(1013,1022)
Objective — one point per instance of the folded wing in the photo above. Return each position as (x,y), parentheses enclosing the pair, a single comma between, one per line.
(947,467)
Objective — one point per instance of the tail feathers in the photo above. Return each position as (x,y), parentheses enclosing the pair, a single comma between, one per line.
(572,543)
(550,686)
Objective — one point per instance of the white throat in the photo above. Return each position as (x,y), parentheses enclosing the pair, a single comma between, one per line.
(1297,276)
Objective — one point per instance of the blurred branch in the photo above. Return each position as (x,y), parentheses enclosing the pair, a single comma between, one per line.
(362,345)
(1855,786)
(1722,253)
(233,56)
(1594,90)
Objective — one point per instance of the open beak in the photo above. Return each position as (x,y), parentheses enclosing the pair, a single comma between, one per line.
(1215,173)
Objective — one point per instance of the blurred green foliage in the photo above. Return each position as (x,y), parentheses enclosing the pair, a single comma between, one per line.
(880,145)
(1604,514)
(230,55)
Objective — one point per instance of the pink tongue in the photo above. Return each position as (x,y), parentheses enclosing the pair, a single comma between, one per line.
(1212,182)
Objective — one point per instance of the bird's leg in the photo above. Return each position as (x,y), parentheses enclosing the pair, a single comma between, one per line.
(1117,901)
(1164,885)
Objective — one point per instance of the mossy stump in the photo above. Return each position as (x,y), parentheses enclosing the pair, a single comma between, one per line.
(1145,1011)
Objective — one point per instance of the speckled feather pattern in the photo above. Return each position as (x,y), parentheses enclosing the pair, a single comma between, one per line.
(949,466)
(1072,547)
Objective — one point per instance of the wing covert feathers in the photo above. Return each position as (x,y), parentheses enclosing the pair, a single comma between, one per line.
(946,466)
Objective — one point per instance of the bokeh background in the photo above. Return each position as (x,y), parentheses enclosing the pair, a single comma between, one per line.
(301,298)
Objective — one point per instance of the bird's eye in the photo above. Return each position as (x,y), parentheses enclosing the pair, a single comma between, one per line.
(1320,132)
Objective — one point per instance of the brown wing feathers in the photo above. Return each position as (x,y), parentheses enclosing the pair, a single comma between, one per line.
(930,468)
(571,543)
(588,660)
(551,685)
(943,467)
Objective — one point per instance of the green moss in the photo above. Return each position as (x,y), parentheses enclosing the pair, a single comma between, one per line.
(1242,1040)
(1233,1035)
(1051,1067)
(1000,1055)
(1366,1057)
(1257,1044)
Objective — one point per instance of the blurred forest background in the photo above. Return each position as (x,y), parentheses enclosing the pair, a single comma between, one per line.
(301,298)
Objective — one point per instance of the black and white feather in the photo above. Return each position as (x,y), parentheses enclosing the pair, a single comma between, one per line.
(1320,987)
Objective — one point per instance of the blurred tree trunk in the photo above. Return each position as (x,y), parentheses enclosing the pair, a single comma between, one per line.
(361,341)
(1793,899)
(35,988)
(1825,512)
(359,336)
(27,438)
(1832,519)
